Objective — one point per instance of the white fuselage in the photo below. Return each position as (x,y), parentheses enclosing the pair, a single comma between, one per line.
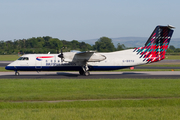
(51,62)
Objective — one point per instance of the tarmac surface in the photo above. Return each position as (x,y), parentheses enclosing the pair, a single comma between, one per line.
(93,75)
(4,63)
(97,75)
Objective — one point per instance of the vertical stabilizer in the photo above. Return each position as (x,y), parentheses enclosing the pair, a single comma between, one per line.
(157,44)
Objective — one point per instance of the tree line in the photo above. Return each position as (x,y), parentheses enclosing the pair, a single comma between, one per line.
(173,50)
(48,44)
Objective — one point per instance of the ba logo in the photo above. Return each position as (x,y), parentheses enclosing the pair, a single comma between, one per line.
(41,57)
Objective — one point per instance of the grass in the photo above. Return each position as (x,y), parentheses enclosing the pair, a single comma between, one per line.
(2,69)
(172,57)
(104,99)
(101,110)
(79,89)
(105,110)
(8,57)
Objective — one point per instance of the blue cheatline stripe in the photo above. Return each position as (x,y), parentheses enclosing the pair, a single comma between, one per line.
(62,68)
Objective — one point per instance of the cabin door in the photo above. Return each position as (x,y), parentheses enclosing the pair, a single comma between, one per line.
(38,63)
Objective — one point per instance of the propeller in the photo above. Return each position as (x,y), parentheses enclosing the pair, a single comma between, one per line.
(61,55)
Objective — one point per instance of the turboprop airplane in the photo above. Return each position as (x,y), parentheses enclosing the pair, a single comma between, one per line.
(153,51)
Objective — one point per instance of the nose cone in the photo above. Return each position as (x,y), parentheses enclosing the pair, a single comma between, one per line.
(10,67)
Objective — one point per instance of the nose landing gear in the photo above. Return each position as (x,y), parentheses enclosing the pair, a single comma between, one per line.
(16,73)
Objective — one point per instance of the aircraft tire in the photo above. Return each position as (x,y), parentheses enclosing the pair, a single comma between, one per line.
(16,73)
(86,73)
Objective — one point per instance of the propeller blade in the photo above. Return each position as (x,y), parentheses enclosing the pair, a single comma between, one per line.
(61,55)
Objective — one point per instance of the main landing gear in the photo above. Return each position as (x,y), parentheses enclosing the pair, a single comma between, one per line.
(16,73)
(84,71)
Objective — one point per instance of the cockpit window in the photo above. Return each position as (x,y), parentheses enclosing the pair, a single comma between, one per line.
(23,58)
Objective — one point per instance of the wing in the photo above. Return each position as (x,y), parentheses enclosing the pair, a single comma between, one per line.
(88,57)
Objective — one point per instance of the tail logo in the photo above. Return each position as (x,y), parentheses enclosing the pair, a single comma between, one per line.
(156,46)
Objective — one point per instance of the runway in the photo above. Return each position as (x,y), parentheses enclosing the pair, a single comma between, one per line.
(4,63)
(93,75)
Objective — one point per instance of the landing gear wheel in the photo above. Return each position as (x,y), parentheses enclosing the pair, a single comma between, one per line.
(16,73)
(81,72)
(86,73)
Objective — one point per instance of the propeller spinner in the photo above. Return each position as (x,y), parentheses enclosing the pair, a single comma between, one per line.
(61,55)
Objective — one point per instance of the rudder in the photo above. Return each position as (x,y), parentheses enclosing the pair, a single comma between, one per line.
(157,44)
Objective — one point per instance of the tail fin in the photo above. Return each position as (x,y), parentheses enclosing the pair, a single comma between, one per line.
(157,44)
